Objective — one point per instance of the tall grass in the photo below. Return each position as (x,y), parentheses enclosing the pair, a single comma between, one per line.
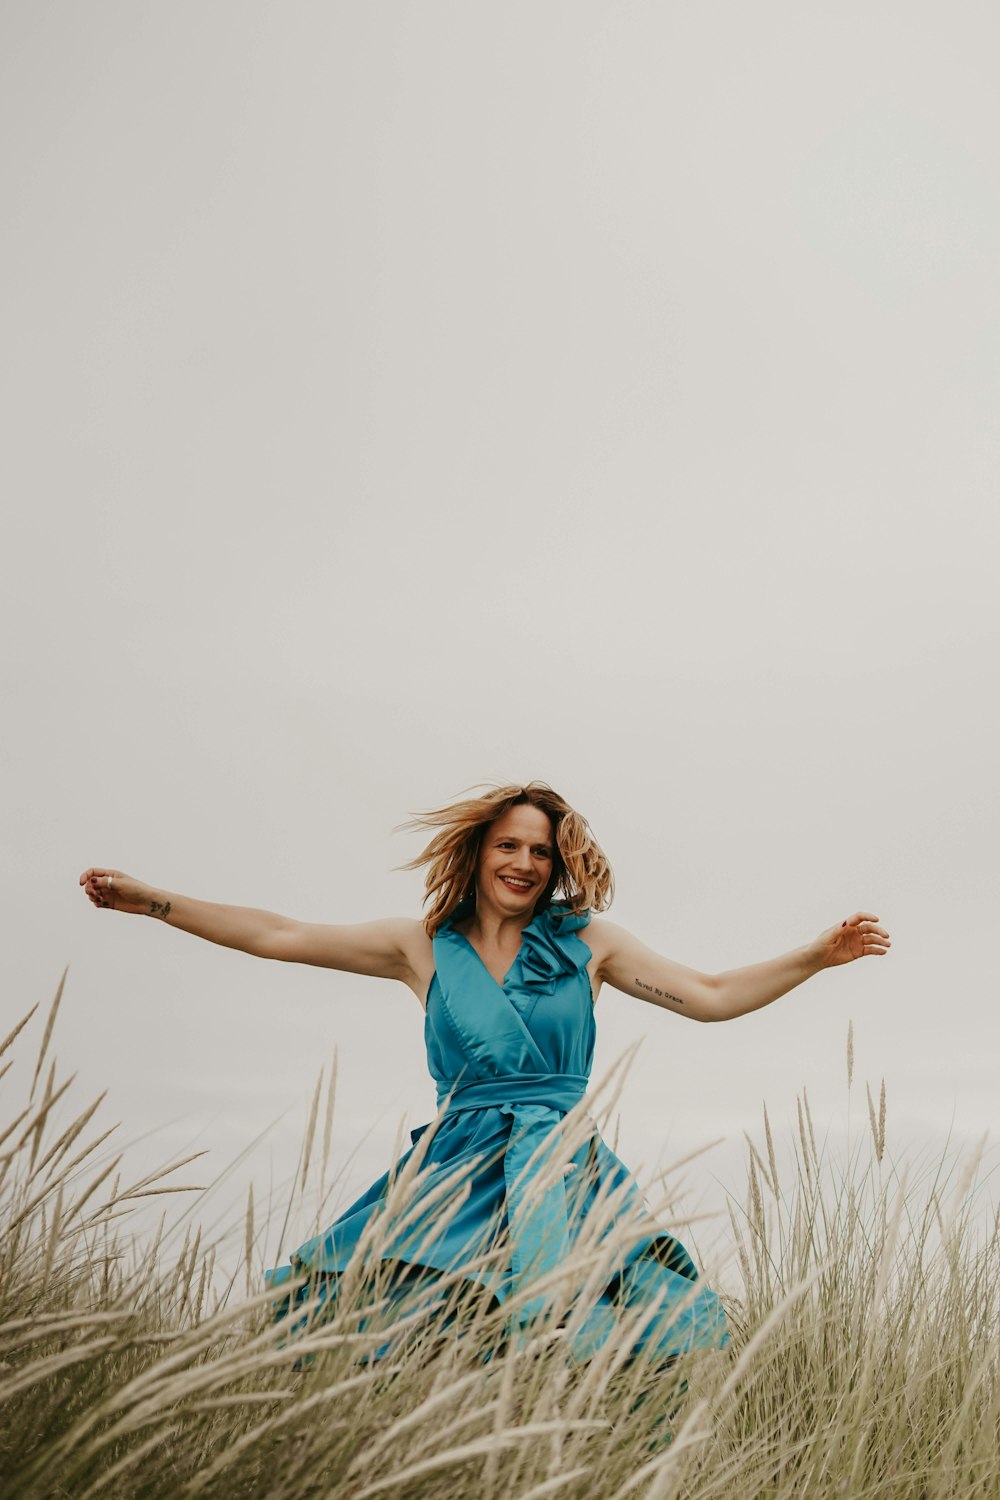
(864,1355)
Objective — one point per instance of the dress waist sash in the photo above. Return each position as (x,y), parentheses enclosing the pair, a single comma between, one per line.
(556,1090)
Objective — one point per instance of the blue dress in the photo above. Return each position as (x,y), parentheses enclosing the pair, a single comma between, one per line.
(510,1061)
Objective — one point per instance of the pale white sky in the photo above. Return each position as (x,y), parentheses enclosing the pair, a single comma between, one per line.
(400,396)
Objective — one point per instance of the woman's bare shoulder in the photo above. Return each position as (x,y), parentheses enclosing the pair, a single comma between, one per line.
(602,937)
(413,937)
(419,952)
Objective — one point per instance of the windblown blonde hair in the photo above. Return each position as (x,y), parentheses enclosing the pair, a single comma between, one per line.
(581,876)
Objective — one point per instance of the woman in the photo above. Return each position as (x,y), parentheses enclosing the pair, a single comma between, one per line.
(507,964)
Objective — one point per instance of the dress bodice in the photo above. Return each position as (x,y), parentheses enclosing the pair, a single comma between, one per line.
(537,1026)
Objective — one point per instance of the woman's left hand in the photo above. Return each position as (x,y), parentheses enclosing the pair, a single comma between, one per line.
(859,936)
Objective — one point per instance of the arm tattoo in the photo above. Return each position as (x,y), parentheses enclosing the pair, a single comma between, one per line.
(159,909)
(657,993)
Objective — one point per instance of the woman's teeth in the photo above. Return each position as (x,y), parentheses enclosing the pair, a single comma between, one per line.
(516,885)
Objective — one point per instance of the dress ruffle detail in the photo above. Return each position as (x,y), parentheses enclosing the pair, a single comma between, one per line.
(547,947)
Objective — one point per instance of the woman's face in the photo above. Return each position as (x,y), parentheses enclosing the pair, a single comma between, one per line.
(515,860)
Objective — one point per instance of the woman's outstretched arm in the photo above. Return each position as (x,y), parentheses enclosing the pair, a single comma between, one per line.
(630,966)
(382,949)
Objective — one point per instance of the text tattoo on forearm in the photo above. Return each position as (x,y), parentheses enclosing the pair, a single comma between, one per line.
(657,993)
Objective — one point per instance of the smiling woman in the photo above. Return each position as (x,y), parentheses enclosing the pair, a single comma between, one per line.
(507,963)
(518,838)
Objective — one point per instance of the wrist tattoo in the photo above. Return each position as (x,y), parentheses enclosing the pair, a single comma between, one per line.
(159,909)
(657,993)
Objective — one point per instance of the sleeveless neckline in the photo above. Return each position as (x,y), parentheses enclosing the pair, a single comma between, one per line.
(546,949)
(558,917)
(501,982)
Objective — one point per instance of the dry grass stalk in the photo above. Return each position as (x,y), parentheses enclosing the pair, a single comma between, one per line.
(865,1315)
(12,1035)
(311,1129)
(46,1034)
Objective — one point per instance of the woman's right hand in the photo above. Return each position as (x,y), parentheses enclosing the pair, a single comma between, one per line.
(113,890)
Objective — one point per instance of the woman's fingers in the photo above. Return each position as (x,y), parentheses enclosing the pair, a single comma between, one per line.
(875,939)
(99,883)
(862,936)
(115,891)
(866,922)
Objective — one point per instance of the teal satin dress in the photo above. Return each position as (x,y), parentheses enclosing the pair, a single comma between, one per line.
(509,1062)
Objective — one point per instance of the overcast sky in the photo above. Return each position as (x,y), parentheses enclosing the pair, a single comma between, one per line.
(403,395)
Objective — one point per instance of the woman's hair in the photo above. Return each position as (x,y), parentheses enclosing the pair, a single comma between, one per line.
(581,876)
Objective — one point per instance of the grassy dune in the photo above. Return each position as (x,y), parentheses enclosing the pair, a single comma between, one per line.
(864,1356)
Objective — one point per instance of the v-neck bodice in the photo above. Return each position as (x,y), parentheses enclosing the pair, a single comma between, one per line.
(539,1021)
(501,982)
